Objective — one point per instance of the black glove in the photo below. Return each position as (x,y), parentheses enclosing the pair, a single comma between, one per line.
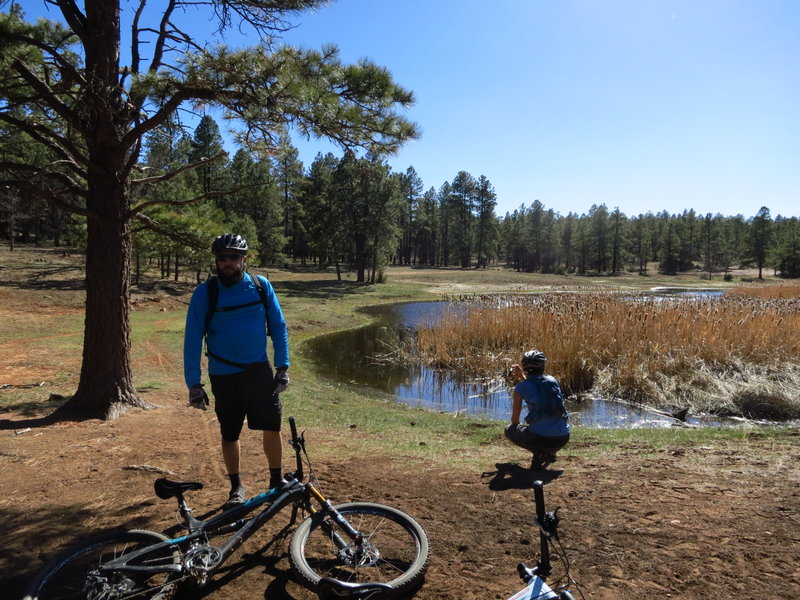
(281,380)
(198,397)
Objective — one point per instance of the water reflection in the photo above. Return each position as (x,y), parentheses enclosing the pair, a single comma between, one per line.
(353,356)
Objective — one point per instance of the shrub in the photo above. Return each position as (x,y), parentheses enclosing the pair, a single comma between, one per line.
(769,404)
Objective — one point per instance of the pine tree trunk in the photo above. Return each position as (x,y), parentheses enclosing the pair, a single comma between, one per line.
(360,256)
(105,389)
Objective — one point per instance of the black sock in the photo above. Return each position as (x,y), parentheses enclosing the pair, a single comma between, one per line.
(236,481)
(275,477)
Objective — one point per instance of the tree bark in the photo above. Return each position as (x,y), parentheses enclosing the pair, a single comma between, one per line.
(360,256)
(106,389)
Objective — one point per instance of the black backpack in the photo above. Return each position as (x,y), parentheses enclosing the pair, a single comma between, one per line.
(213,297)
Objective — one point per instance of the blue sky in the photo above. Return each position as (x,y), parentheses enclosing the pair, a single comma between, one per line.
(644,105)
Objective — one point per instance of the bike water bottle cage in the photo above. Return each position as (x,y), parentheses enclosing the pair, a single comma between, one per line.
(549,523)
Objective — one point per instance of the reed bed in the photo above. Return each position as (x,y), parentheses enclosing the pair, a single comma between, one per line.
(770,289)
(735,355)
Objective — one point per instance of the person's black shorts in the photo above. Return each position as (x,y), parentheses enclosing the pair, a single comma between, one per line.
(249,393)
(522,437)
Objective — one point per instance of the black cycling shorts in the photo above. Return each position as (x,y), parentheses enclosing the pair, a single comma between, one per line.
(249,393)
(521,436)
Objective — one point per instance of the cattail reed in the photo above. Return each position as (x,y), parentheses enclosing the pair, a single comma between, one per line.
(625,344)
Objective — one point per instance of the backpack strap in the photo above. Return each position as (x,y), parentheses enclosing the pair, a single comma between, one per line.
(554,407)
(213,297)
(263,293)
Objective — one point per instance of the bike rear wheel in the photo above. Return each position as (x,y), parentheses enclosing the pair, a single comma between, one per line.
(394,550)
(74,573)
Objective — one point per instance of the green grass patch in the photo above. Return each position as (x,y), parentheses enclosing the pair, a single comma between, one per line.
(364,421)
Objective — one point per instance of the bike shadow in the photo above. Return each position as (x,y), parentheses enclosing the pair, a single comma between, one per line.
(266,558)
(511,475)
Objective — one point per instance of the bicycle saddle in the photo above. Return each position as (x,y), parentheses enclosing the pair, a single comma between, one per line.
(166,488)
(333,589)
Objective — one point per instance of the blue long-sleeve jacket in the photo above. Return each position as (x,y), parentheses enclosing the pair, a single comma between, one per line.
(238,335)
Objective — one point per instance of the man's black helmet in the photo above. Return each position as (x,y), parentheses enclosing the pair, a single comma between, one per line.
(229,242)
(533,360)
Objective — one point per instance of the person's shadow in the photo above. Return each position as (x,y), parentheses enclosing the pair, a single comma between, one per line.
(512,476)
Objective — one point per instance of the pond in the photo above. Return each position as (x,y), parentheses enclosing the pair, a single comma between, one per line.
(349,357)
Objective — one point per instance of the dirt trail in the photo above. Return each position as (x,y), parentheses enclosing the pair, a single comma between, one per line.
(693,522)
(690,521)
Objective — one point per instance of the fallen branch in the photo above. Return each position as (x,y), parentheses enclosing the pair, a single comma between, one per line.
(21,385)
(148,469)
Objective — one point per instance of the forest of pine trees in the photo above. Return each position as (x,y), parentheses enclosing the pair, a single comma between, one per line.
(354,211)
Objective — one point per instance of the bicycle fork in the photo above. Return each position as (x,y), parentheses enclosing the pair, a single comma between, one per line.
(350,552)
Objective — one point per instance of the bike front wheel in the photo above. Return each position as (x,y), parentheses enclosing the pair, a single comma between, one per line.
(75,573)
(394,548)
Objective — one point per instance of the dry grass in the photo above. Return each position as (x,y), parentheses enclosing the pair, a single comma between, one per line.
(772,289)
(734,355)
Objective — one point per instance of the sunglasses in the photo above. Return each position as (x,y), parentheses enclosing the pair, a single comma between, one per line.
(232,257)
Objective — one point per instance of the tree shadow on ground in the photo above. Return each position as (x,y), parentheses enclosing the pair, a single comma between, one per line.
(62,411)
(41,280)
(170,288)
(33,537)
(511,475)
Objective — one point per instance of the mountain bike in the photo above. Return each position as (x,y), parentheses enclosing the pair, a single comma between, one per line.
(534,577)
(352,544)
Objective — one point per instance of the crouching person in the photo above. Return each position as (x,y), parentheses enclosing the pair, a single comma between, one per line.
(546,427)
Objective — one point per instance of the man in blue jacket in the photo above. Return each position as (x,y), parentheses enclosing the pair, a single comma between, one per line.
(235,312)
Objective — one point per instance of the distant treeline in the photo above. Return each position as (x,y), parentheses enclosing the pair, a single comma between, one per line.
(354,210)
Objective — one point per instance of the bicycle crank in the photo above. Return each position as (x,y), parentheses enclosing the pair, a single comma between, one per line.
(200,561)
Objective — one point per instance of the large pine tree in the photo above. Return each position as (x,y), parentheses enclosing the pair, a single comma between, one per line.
(69,88)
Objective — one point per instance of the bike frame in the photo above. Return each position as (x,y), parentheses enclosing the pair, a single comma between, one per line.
(293,492)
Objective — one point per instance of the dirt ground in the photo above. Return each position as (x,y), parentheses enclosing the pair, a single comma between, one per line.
(691,521)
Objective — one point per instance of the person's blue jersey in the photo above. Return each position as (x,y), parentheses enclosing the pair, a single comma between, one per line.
(547,414)
(238,335)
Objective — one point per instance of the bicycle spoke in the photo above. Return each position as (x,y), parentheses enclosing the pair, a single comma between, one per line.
(393,548)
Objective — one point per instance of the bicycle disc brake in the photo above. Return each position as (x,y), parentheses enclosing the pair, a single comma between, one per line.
(360,555)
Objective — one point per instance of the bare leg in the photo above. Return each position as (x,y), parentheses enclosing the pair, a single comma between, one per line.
(230,454)
(273,449)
